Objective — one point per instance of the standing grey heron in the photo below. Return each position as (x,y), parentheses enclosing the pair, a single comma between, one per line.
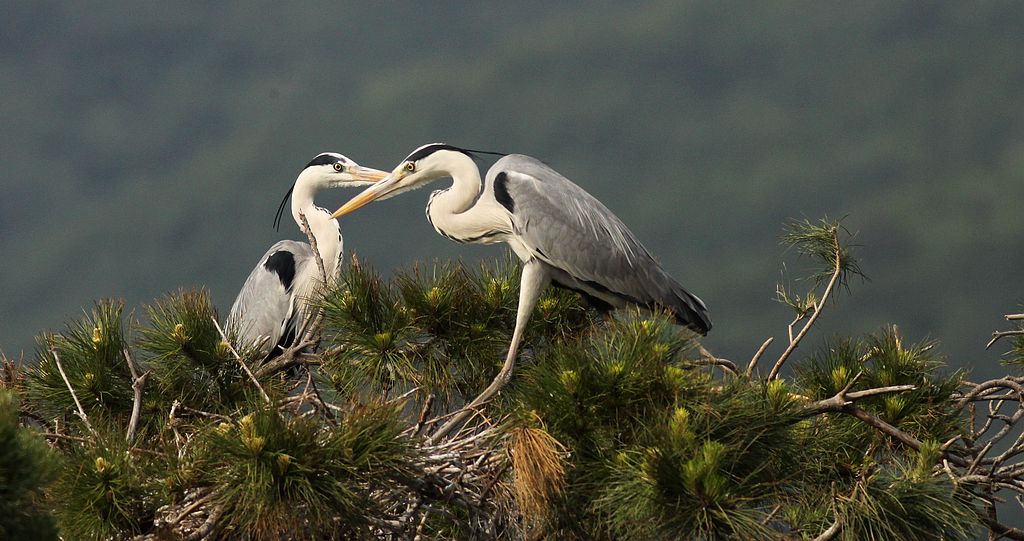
(272,306)
(562,234)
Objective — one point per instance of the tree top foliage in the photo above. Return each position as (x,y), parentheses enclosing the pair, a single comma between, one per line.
(612,428)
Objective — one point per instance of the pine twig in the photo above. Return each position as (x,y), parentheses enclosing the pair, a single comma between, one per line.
(708,358)
(844,398)
(312,244)
(421,420)
(291,356)
(240,361)
(138,382)
(757,356)
(313,320)
(81,410)
(795,341)
(79,439)
(1001,334)
(830,533)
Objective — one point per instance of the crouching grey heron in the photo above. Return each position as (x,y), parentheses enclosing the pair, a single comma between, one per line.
(562,234)
(272,305)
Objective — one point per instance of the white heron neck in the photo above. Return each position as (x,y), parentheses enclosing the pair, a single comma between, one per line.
(465,187)
(324,228)
(455,212)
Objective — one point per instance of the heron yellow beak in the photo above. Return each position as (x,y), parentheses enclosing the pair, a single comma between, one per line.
(385,186)
(369,174)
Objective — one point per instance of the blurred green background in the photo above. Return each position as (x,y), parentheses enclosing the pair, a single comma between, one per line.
(145,146)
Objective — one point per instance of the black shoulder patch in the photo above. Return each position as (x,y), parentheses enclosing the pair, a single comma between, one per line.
(282,263)
(326,158)
(501,192)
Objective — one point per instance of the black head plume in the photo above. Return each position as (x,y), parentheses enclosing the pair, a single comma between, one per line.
(427,150)
(280,209)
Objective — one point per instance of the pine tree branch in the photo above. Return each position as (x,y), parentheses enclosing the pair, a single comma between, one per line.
(845,398)
(312,324)
(81,410)
(1002,334)
(312,244)
(291,356)
(1001,531)
(204,495)
(79,439)
(211,525)
(238,357)
(830,533)
(818,306)
(421,420)
(757,356)
(707,358)
(138,382)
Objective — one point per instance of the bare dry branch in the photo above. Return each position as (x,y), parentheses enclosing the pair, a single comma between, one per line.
(707,358)
(1001,334)
(138,382)
(238,358)
(844,398)
(81,410)
(795,341)
(757,356)
(830,532)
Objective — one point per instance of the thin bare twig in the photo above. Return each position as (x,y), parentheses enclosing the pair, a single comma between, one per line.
(423,415)
(1003,531)
(209,526)
(757,356)
(240,361)
(1001,334)
(292,356)
(707,358)
(81,410)
(794,342)
(830,532)
(79,439)
(138,382)
(844,398)
(311,326)
(312,244)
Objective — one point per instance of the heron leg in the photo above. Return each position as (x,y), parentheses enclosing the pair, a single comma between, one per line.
(532,283)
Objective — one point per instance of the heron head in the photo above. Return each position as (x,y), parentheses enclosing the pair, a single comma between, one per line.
(329,170)
(332,170)
(425,164)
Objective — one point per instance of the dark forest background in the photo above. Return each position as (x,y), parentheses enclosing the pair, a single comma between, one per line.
(145,146)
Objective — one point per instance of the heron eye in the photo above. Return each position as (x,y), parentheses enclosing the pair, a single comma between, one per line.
(338,166)
(410,167)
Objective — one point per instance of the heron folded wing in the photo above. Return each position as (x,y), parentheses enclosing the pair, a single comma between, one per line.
(570,229)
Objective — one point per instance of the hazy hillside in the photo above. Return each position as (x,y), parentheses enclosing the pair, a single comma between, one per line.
(145,148)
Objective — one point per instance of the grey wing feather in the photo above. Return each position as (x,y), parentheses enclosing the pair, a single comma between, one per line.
(264,308)
(570,229)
